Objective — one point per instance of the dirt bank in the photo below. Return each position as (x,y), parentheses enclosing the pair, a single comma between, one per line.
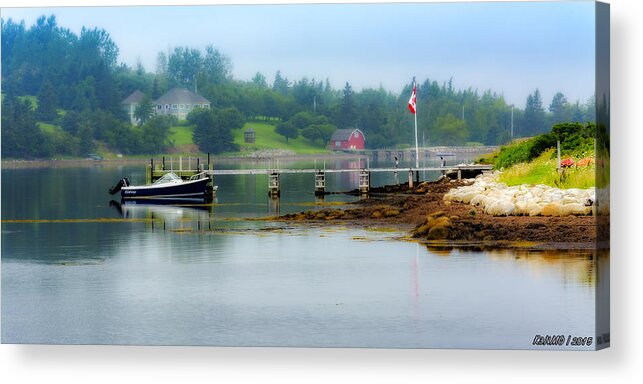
(427,216)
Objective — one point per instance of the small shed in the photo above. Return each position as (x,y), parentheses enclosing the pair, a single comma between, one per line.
(249,136)
(347,139)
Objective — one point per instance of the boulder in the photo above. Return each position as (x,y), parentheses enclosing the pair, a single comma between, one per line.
(438,233)
(500,208)
(391,212)
(552,209)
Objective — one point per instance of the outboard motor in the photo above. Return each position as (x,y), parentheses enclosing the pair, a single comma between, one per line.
(124,182)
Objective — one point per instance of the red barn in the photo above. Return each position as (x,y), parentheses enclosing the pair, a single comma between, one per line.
(347,139)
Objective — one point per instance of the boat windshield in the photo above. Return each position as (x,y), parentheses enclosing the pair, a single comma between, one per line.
(168,178)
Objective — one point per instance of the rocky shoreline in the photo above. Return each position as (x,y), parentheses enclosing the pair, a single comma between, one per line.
(430,213)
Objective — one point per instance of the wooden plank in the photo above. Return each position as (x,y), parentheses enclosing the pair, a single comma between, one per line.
(219,172)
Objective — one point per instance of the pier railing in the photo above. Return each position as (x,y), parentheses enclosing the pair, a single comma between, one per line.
(194,166)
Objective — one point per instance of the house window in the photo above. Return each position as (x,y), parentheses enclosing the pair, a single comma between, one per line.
(159,106)
(181,106)
(167,106)
(175,106)
(205,106)
(356,135)
(338,143)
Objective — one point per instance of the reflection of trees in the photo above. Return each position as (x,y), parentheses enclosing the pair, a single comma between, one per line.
(575,266)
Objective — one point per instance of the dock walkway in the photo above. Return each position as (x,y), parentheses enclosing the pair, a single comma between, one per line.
(274,185)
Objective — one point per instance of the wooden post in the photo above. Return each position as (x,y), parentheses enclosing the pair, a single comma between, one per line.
(558,151)
(364,181)
(320,183)
(459,174)
(273,184)
(410,178)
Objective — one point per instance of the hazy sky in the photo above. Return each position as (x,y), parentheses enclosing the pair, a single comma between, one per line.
(510,48)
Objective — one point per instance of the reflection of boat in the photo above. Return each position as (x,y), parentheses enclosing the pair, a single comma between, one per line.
(171,216)
(169,186)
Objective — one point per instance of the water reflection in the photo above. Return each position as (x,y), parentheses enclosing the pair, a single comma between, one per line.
(203,275)
(167,215)
(576,266)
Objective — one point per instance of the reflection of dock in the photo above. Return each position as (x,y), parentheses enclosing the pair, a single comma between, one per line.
(274,180)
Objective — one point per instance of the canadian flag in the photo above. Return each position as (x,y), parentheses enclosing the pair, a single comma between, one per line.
(412,100)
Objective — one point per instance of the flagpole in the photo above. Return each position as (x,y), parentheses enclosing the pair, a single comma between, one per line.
(417,152)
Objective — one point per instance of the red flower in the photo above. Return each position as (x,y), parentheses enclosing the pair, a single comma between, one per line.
(566,163)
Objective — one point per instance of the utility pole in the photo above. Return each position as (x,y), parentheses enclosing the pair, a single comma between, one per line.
(512,121)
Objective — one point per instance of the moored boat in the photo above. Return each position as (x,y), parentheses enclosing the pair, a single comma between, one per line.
(169,186)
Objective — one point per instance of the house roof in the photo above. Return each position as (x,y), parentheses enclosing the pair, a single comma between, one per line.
(181,96)
(344,134)
(134,98)
(250,130)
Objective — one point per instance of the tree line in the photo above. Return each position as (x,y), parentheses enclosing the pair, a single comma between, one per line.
(74,81)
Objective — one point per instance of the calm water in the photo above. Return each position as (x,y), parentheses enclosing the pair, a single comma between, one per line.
(85,271)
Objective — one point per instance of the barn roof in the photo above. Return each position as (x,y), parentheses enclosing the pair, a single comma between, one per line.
(134,98)
(344,134)
(181,96)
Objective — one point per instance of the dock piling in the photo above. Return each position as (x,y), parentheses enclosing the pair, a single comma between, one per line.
(320,183)
(273,184)
(364,181)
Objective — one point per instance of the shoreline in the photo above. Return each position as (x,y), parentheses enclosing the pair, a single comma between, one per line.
(426,217)
(86,162)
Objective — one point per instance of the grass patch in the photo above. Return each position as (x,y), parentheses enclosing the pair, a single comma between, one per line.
(267,138)
(181,135)
(542,170)
(48,128)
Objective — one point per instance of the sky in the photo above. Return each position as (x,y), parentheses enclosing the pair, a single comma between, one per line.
(510,48)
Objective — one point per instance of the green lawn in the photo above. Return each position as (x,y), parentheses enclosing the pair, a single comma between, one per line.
(181,135)
(267,138)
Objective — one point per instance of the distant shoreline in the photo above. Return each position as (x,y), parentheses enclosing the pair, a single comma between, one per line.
(262,155)
(72,163)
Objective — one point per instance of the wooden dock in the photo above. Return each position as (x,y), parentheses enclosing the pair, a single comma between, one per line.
(274,183)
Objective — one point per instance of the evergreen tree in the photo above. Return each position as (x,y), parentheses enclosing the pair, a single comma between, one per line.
(47,102)
(347,113)
(281,84)
(534,118)
(212,128)
(259,80)
(559,109)
(21,137)
(144,110)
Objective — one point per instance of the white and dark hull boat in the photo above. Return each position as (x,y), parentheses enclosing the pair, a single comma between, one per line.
(168,187)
